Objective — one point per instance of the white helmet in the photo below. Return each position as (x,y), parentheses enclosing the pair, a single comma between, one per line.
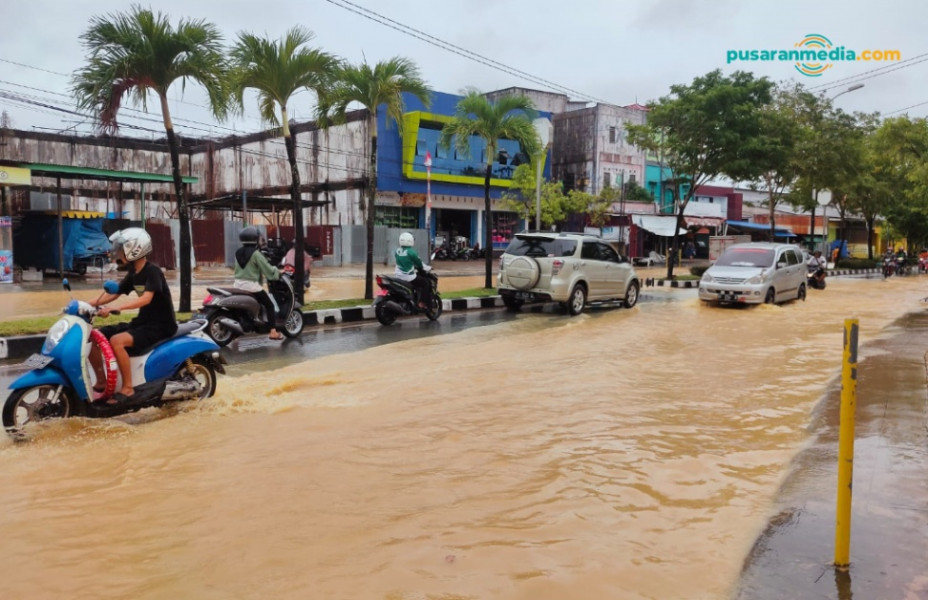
(406,239)
(134,242)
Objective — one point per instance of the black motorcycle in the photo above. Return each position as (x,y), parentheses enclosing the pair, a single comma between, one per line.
(231,312)
(398,298)
(816,279)
(889,266)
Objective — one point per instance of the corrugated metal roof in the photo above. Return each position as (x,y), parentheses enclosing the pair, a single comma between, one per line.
(71,172)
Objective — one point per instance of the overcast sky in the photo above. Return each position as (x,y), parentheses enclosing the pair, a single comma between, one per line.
(617,51)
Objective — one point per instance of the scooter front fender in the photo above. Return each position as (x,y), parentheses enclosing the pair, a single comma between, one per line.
(46,376)
(168,357)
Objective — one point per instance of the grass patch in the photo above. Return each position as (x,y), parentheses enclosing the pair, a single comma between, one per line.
(352,302)
(40,325)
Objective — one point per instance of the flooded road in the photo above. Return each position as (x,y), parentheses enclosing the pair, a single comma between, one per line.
(618,454)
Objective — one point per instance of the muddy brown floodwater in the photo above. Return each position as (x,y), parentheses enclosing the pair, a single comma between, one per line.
(619,454)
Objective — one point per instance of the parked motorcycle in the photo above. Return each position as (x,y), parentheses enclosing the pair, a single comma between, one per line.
(231,312)
(397,298)
(59,385)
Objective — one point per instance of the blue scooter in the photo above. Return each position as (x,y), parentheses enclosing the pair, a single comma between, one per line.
(61,385)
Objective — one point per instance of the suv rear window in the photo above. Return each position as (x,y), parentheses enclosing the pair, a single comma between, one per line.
(541,246)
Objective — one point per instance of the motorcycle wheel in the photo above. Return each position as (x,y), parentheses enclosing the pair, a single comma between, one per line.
(220,334)
(32,404)
(383,315)
(199,369)
(434,311)
(293,326)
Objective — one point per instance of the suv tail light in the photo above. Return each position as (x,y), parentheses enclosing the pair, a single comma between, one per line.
(556,265)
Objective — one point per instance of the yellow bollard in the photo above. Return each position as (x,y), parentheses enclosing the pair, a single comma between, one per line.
(846,445)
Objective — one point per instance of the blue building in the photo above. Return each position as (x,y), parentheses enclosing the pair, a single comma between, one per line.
(456,182)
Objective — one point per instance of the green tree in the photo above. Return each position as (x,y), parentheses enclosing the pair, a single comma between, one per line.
(277,70)
(520,198)
(849,134)
(872,189)
(902,144)
(510,117)
(707,129)
(131,54)
(636,193)
(382,85)
(777,155)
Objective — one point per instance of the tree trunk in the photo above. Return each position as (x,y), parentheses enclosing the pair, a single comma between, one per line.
(487,234)
(371,195)
(298,233)
(183,215)
(770,202)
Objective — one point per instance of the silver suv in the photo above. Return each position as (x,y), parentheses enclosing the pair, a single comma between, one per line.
(570,268)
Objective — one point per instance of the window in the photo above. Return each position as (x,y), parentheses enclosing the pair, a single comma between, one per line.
(607,179)
(612,135)
(589,251)
(607,253)
(397,216)
(441,152)
(421,147)
(538,246)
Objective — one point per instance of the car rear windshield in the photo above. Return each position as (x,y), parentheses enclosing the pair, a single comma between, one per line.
(541,246)
(746,257)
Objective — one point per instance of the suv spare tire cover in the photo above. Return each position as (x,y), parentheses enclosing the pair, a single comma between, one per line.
(523,272)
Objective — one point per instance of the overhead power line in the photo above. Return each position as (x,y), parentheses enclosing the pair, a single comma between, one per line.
(851,79)
(468,54)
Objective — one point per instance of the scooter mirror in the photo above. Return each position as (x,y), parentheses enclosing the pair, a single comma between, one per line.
(66,284)
(111,287)
(431,258)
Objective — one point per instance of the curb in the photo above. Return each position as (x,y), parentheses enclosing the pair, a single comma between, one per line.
(694,283)
(20,347)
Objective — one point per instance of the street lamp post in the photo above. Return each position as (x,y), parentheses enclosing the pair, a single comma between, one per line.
(852,88)
(544,129)
(825,198)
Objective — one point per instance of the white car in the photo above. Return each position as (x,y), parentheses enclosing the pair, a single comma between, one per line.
(755,273)
(569,268)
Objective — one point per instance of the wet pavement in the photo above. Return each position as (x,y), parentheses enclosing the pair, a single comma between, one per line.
(793,557)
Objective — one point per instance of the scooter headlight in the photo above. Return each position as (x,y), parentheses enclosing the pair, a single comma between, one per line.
(55,333)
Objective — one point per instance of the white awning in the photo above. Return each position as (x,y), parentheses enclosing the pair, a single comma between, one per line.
(662,226)
(703,221)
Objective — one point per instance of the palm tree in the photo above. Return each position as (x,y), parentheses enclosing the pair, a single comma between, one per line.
(278,70)
(134,53)
(510,117)
(382,85)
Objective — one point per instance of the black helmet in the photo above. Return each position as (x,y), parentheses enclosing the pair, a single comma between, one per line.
(249,235)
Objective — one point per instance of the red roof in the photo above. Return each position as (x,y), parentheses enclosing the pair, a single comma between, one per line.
(637,106)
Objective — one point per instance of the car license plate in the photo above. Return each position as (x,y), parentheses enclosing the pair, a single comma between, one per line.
(524,295)
(727,296)
(37,361)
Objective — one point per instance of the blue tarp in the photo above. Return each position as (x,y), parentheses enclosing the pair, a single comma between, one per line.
(35,242)
(778,232)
